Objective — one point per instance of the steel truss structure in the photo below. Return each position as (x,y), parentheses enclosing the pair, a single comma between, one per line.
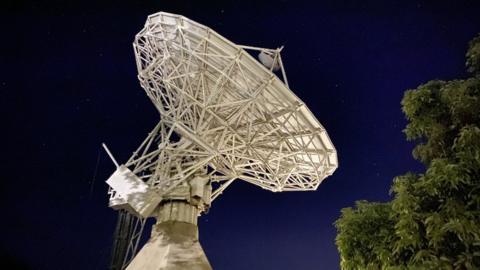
(223,114)
(128,233)
(233,115)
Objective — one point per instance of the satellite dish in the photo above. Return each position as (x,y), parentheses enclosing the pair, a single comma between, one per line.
(223,116)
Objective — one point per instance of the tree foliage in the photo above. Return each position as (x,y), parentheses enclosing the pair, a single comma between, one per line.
(366,235)
(473,56)
(433,221)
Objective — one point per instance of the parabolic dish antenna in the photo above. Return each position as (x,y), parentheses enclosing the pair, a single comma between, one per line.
(223,116)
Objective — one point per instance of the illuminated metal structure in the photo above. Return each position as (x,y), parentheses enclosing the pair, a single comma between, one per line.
(223,116)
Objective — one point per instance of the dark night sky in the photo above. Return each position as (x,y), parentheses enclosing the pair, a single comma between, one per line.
(68,82)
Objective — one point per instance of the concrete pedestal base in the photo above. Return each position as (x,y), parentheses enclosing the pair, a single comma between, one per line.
(173,245)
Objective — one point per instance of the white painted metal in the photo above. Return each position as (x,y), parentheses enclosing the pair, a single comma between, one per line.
(269,61)
(223,116)
(234,116)
(131,190)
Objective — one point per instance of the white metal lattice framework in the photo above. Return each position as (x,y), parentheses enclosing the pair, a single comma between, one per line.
(223,113)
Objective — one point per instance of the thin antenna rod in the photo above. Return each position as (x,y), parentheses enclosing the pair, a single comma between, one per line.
(282,67)
(110,154)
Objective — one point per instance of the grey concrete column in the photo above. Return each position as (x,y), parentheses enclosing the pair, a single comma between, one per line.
(173,244)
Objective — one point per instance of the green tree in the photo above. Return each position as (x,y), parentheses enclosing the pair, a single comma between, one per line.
(433,221)
(365,241)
